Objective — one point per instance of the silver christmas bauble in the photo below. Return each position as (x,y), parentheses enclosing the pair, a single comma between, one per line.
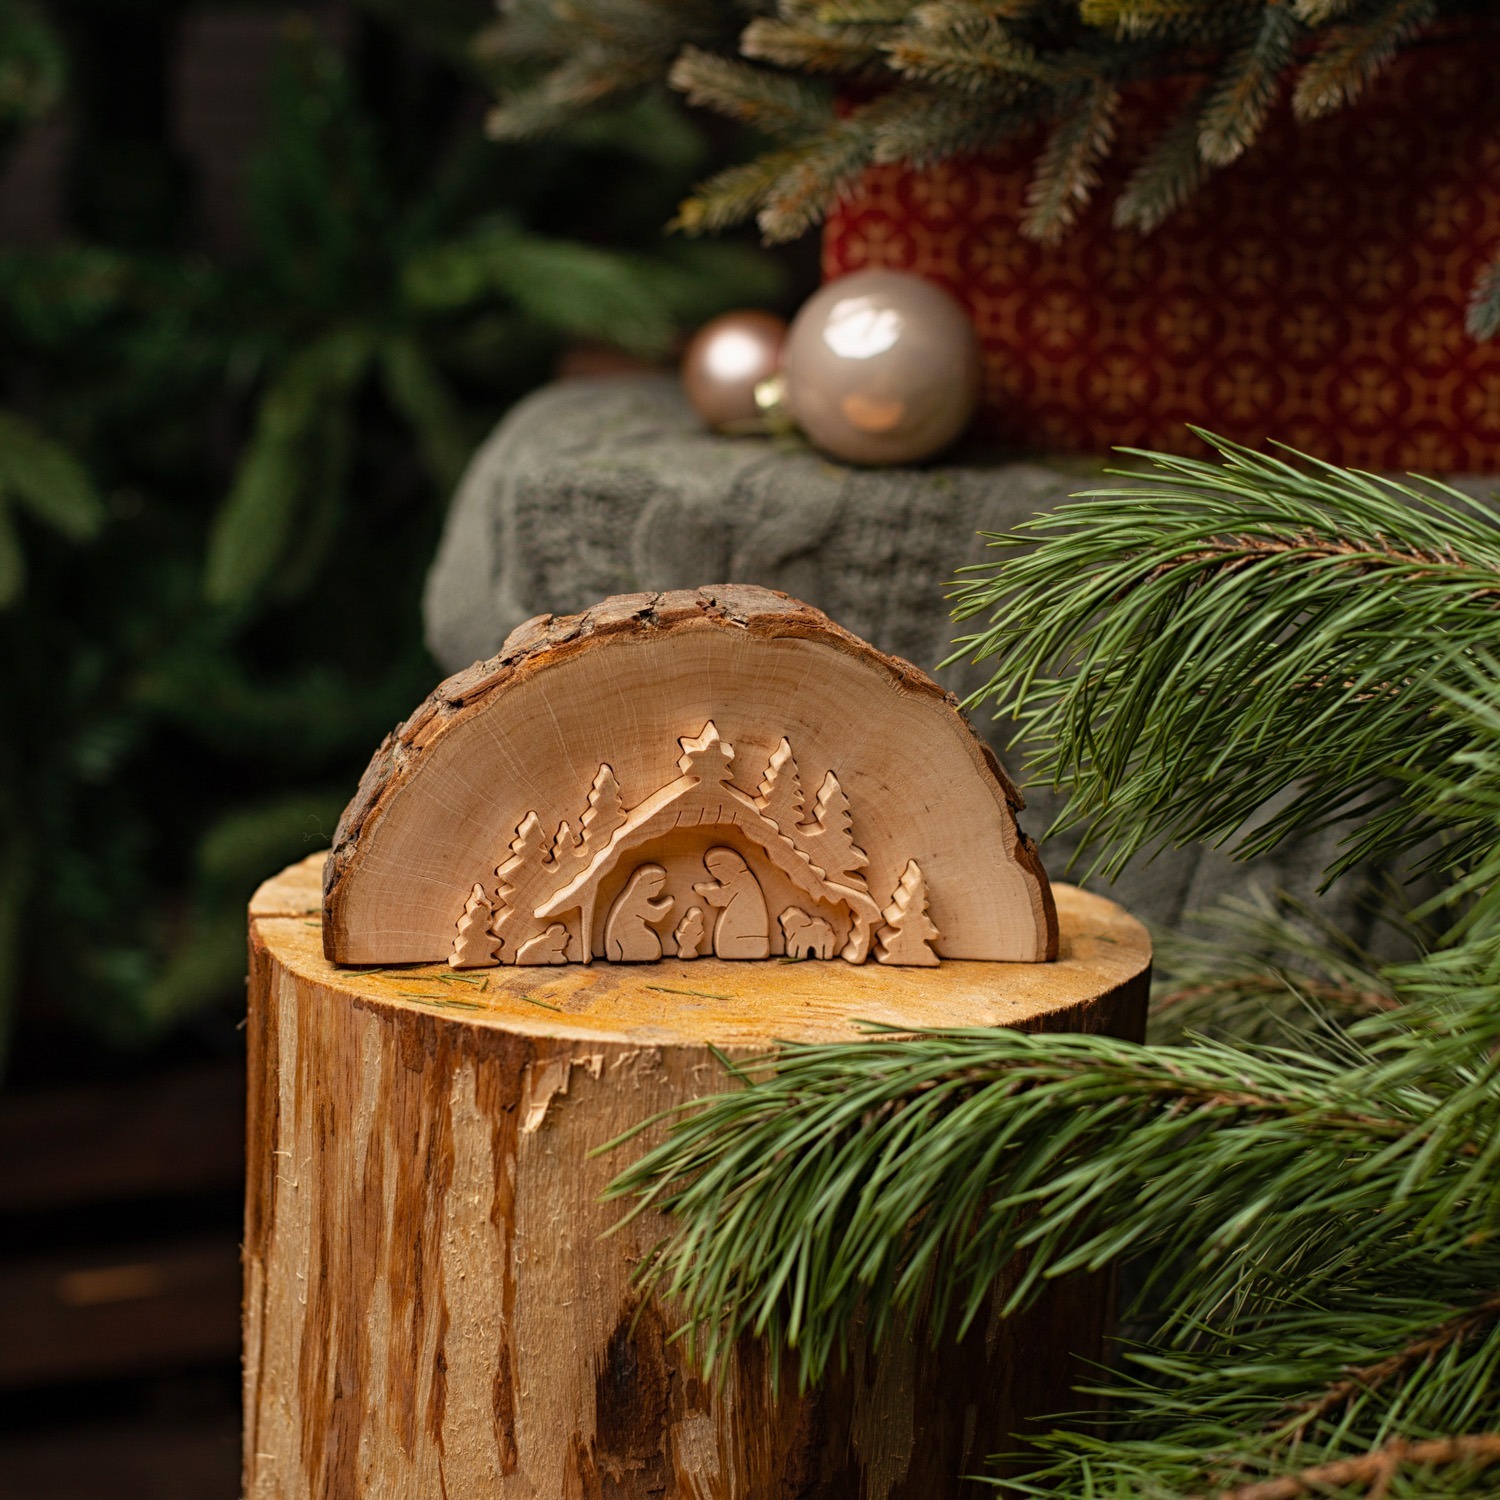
(724,363)
(881,368)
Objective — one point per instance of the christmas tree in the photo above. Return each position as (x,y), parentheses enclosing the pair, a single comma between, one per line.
(829,838)
(921,82)
(604,814)
(780,795)
(524,877)
(907,935)
(475,947)
(1241,651)
(260,441)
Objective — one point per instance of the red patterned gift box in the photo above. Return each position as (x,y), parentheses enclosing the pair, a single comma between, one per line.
(1312,292)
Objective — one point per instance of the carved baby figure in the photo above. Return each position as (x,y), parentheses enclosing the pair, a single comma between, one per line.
(743,926)
(630,930)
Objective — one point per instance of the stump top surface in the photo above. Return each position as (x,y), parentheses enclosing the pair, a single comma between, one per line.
(709,1001)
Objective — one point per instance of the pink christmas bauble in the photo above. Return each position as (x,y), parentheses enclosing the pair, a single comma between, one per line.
(881,368)
(724,363)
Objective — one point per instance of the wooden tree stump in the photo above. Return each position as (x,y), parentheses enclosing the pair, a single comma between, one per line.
(674,825)
(432,1308)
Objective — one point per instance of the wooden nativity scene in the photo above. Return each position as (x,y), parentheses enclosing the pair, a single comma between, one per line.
(696,868)
(745,782)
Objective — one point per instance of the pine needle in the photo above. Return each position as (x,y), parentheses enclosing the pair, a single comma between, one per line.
(1248,86)
(1067,170)
(1483,319)
(1352,55)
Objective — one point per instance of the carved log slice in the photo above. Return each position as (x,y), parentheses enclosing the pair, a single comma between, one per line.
(663,727)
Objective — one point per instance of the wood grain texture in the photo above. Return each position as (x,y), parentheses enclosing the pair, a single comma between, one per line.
(431,1308)
(682,708)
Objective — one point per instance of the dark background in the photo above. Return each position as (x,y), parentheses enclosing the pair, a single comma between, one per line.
(264,283)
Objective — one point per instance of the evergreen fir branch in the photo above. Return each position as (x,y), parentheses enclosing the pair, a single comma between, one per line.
(1320,12)
(583,84)
(1026,61)
(734,194)
(589,56)
(1168,176)
(1422,1350)
(1132,18)
(828,168)
(970,51)
(1236,629)
(849,1176)
(923,128)
(1261,970)
(1248,86)
(853,12)
(1483,318)
(770,102)
(1067,170)
(1352,55)
(1374,1471)
(812,47)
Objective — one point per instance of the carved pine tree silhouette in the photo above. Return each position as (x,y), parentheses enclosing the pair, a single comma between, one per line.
(602,815)
(605,812)
(827,840)
(908,933)
(779,795)
(524,879)
(475,947)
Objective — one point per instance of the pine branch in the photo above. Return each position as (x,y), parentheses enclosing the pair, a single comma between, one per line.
(1235,630)
(1374,1471)
(1067,170)
(1260,972)
(1248,86)
(1314,1226)
(770,102)
(1166,179)
(1453,1331)
(885,1152)
(1352,55)
(1483,320)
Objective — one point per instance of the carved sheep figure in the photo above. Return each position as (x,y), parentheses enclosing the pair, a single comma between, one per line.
(806,937)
